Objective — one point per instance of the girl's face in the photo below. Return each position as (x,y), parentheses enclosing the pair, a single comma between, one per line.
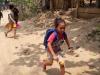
(61,27)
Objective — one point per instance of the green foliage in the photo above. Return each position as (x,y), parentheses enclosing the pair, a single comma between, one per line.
(27,8)
(1,1)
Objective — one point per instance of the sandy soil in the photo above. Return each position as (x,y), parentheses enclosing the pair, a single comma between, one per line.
(22,56)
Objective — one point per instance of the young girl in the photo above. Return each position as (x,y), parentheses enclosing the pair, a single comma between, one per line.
(53,47)
(12,23)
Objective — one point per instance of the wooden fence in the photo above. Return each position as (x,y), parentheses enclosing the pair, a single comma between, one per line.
(88,12)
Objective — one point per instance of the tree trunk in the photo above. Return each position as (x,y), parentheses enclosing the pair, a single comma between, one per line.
(98,3)
(77,6)
(73,3)
(56,4)
(81,3)
(65,6)
(69,3)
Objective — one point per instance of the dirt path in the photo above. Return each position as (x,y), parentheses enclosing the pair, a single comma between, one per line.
(21,56)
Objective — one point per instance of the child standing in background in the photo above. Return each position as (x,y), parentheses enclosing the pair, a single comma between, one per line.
(12,23)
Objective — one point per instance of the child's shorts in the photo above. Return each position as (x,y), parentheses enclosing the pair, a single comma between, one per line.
(10,26)
(59,55)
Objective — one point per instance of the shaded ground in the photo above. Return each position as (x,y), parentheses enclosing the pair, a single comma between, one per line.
(22,56)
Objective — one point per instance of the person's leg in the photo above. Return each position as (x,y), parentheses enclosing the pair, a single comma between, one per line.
(62,68)
(14,29)
(9,28)
(61,63)
(48,62)
(6,33)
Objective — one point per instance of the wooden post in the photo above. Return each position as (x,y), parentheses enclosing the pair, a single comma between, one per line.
(51,5)
(77,6)
(61,3)
(72,3)
(65,6)
(98,3)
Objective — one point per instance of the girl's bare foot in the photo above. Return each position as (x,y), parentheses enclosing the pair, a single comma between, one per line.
(5,34)
(42,64)
(15,37)
(44,67)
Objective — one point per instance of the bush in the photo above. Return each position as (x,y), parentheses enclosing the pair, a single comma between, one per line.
(27,8)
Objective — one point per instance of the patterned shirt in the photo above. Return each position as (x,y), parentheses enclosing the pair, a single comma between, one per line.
(56,43)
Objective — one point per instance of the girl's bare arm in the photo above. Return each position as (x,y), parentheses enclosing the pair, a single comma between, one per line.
(51,49)
(67,42)
(11,18)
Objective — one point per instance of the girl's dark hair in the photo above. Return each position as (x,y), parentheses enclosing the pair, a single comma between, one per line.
(15,11)
(11,6)
(57,21)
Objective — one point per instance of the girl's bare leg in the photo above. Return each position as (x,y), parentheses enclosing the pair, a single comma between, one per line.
(14,33)
(62,68)
(6,33)
(47,63)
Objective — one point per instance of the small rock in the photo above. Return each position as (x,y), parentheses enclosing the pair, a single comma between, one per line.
(91,66)
(77,55)
(77,47)
(21,44)
(81,51)
(16,47)
(26,51)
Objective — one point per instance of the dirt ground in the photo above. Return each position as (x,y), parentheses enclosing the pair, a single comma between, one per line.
(22,56)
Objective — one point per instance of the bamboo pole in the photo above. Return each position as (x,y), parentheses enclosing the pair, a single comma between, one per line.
(77,6)
(51,5)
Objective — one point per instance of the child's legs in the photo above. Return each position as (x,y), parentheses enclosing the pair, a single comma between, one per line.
(61,63)
(9,30)
(48,61)
(9,27)
(14,29)
(62,68)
